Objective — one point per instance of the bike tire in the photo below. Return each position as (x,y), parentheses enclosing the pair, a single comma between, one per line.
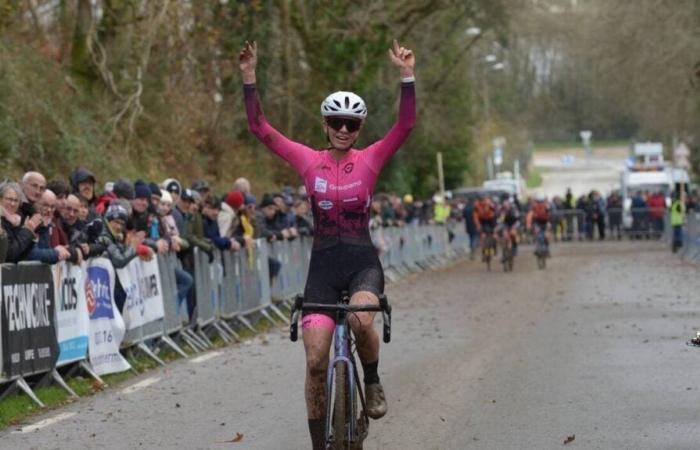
(341,408)
(541,262)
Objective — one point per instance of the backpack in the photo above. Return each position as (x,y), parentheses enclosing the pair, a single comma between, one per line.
(540,211)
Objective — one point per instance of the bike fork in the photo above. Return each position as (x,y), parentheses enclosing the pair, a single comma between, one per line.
(341,356)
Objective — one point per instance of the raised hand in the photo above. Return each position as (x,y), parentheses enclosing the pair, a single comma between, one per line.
(247,61)
(402,58)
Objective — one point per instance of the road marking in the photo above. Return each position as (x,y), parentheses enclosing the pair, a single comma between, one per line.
(206,357)
(140,385)
(44,423)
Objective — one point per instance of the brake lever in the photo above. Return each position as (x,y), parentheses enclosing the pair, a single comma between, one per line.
(386,317)
(294,319)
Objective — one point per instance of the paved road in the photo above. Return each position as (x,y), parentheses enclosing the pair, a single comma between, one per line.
(601,171)
(594,346)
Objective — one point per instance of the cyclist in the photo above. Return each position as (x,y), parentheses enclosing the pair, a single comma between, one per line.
(340,181)
(485,217)
(509,223)
(538,219)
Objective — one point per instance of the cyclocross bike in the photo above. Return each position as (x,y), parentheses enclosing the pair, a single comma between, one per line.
(345,428)
(541,248)
(488,248)
(507,250)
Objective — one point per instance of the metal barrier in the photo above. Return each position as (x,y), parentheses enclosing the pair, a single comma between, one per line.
(691,238)
(237,284)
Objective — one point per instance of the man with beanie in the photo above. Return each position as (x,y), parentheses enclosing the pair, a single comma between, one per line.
(202,188)
(210,214)
(143,220)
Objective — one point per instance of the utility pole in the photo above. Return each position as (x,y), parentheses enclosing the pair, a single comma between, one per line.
(441,175)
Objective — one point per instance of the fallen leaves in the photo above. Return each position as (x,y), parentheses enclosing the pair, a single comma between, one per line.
(237,438)
(569,439)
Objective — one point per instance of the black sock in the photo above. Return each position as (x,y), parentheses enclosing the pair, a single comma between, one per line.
(317,429)
(370,371)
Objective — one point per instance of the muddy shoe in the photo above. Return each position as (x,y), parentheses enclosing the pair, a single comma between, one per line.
(376,402)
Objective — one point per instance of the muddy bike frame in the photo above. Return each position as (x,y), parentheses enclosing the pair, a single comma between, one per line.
(342,354)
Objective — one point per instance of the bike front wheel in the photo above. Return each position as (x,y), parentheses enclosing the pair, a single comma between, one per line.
(342,412)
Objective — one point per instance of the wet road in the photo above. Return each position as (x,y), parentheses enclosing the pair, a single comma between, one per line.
(592,347)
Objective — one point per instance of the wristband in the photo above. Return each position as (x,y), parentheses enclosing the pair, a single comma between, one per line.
(410,79)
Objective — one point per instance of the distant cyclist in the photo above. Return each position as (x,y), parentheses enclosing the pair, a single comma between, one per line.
(538,219)
(340,182)
(509,222)
(485,216)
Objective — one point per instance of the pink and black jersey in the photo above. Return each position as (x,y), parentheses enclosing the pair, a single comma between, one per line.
(340,192)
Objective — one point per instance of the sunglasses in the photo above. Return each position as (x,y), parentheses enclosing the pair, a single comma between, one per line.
(337,123)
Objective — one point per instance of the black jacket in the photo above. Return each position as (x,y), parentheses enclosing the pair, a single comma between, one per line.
(20,242)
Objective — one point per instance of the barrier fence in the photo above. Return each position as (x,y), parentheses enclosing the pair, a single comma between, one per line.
(65,316)
(691,238)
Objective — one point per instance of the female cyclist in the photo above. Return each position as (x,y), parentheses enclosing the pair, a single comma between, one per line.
(339,181)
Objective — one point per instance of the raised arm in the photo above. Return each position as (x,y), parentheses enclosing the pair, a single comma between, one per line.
(380,152)
(296,154)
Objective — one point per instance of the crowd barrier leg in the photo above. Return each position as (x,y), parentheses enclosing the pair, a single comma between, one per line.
(61,382)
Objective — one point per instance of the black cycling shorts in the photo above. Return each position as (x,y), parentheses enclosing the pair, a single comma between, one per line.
(343,267)
(487,225)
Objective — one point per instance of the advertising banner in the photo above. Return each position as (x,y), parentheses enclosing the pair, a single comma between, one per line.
(144,293)
(72,320)
(106,324)
(28,330)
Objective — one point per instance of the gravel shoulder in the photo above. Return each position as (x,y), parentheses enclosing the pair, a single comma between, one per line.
(594,346)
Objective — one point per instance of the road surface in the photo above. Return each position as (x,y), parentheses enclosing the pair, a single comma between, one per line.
(592,347)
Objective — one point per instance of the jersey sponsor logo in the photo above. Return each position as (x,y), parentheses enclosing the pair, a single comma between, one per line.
(320,185)
(348,200)
(348,167)
(345,187)
(325,204)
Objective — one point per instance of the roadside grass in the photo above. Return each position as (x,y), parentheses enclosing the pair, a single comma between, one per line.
(534,178)
(564,145)
(17,407)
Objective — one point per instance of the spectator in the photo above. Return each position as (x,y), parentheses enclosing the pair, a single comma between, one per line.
(171,233)
(596,207)
(243,185)
(33,185)
(84,210)
(640,225)
(582,218)
(228,217)
(568,207)
(123,189)
(678,212)
(304,220)
(657,211)
(202,188)
(70,222)
(105,199)
(284,204)
(194,234)
(119,246)
(43,251)
(83,185)
(61,189)
(468,214)
(246,233)
(210,214)
(20,230)
(615,215)
(269,220)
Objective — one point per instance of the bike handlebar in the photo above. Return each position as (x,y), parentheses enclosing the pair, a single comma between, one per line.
(384,307)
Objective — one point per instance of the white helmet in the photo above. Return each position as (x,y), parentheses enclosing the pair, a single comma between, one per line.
(346,104)
(539,197)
